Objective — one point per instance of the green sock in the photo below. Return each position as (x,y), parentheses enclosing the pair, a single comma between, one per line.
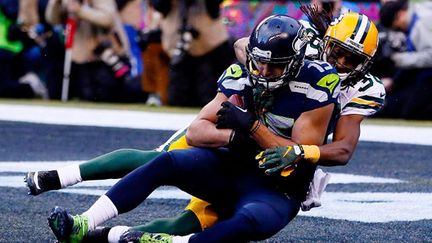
(115,164)
(184,224)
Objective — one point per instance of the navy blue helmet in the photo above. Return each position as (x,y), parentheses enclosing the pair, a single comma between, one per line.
(279,40)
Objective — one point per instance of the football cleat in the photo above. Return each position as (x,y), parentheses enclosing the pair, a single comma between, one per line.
(42,181)
(133,236)
(100,234)
(67,228)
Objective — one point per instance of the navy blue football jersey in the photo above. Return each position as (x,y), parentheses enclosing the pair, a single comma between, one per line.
(316,85)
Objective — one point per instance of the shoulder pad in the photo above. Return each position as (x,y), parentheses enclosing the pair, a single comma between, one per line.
(321,75)
(233,80)
(318,80)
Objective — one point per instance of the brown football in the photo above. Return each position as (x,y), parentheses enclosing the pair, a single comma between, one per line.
(236,100)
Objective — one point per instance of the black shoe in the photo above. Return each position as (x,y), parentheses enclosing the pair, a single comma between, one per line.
(42,181)
(67,228)
(99,235)
(131,236)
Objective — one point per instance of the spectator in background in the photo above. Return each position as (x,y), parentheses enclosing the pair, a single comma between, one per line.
(44,48)
(197,42)
(16,80)
(131,16)
(390,41)
(410,90)
(99,39)
(156,61)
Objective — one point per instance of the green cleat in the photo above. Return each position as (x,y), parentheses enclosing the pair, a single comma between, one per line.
(156,238)
(132,236)
(67,228)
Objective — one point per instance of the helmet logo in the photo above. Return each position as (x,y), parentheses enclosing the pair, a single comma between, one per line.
(301,39)
(337,20)
(261,53)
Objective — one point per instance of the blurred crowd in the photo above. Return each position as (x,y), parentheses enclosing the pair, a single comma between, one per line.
(171,52)
(404,62)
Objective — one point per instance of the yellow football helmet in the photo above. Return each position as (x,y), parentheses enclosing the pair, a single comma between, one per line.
(350,42)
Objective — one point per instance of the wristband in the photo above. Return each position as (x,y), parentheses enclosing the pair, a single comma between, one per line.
(311,153)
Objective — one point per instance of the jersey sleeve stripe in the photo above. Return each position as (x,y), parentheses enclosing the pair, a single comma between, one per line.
(365,102)
(372,98)
(363,106)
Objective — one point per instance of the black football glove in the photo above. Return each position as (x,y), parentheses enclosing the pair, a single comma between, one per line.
(263,99)
(242,144)
(234,117)
(280,159)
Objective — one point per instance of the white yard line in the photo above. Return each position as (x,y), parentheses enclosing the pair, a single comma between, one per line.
(175,121)
(396,134)
(94,117)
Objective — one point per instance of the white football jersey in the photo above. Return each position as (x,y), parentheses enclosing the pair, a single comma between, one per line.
(365,98)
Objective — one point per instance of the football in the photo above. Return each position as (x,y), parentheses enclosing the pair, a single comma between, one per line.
(236,100)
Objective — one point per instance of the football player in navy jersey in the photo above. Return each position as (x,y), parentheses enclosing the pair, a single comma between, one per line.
(349,44)
(251,205)
(360,101)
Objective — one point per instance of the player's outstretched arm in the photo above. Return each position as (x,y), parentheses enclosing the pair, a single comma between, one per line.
(339,152)
(345,139)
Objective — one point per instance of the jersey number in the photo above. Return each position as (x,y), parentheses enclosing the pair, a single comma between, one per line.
(320,68)
(367,84)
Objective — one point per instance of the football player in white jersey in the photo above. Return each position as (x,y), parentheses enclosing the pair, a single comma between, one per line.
(349,44)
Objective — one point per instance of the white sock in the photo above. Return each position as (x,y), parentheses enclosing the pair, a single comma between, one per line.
(69,175)
(181,239)
(115,233)
(102,210)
